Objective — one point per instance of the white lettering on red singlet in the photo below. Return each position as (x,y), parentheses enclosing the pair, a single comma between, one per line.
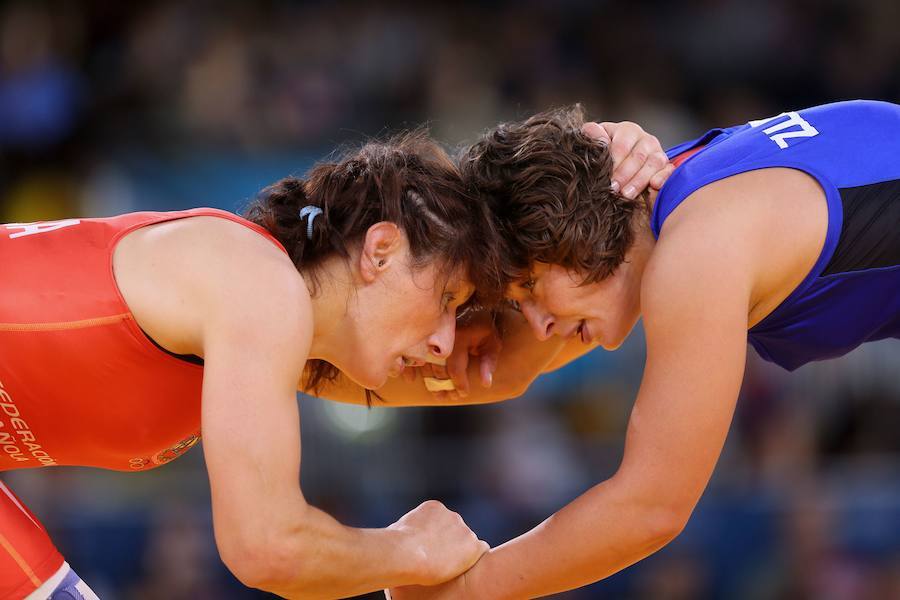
(25,447)
(33,228)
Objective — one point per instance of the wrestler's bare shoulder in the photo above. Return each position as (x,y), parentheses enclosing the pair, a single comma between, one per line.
(778,218)
(169,274)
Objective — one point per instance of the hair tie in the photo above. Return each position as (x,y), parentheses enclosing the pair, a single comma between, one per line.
(312,212)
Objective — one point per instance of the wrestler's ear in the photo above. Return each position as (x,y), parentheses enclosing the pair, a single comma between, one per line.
(382,248)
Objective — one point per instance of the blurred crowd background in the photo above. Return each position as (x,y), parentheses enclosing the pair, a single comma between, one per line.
(109,107)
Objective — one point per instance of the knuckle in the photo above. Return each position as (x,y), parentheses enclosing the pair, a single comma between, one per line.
(657,160)
(648,145)
(619,146)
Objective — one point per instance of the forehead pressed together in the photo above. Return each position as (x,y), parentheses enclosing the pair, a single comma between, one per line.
(534,191)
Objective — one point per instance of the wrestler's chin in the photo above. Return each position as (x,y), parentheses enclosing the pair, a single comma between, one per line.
(614,340)
(369,378)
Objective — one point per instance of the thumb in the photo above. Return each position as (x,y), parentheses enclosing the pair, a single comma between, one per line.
(487,367)
(596,132)
(457,370)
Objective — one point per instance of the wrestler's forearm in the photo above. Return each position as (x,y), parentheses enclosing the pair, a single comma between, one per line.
(572,350)
(321,558)
(600,533)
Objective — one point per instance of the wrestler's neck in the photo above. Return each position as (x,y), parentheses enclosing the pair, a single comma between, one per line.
(335,320)
(641,249)
(643,233)
(651,199)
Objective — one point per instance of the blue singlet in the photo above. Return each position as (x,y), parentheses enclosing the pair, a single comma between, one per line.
(852,294)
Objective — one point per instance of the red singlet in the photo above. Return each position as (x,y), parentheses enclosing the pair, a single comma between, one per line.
(686,155)
(80,383)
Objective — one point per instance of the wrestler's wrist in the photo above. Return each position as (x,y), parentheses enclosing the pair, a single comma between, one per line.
(401,558)
(474,583)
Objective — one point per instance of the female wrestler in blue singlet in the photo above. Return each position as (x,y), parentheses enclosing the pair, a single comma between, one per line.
(784,231)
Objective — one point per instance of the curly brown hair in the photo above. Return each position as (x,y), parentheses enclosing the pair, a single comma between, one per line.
(408,180)
(548,185)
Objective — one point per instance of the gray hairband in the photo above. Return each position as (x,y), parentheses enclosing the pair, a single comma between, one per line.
(312,212)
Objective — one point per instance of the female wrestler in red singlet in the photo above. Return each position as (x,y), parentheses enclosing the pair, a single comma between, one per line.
(113,330)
